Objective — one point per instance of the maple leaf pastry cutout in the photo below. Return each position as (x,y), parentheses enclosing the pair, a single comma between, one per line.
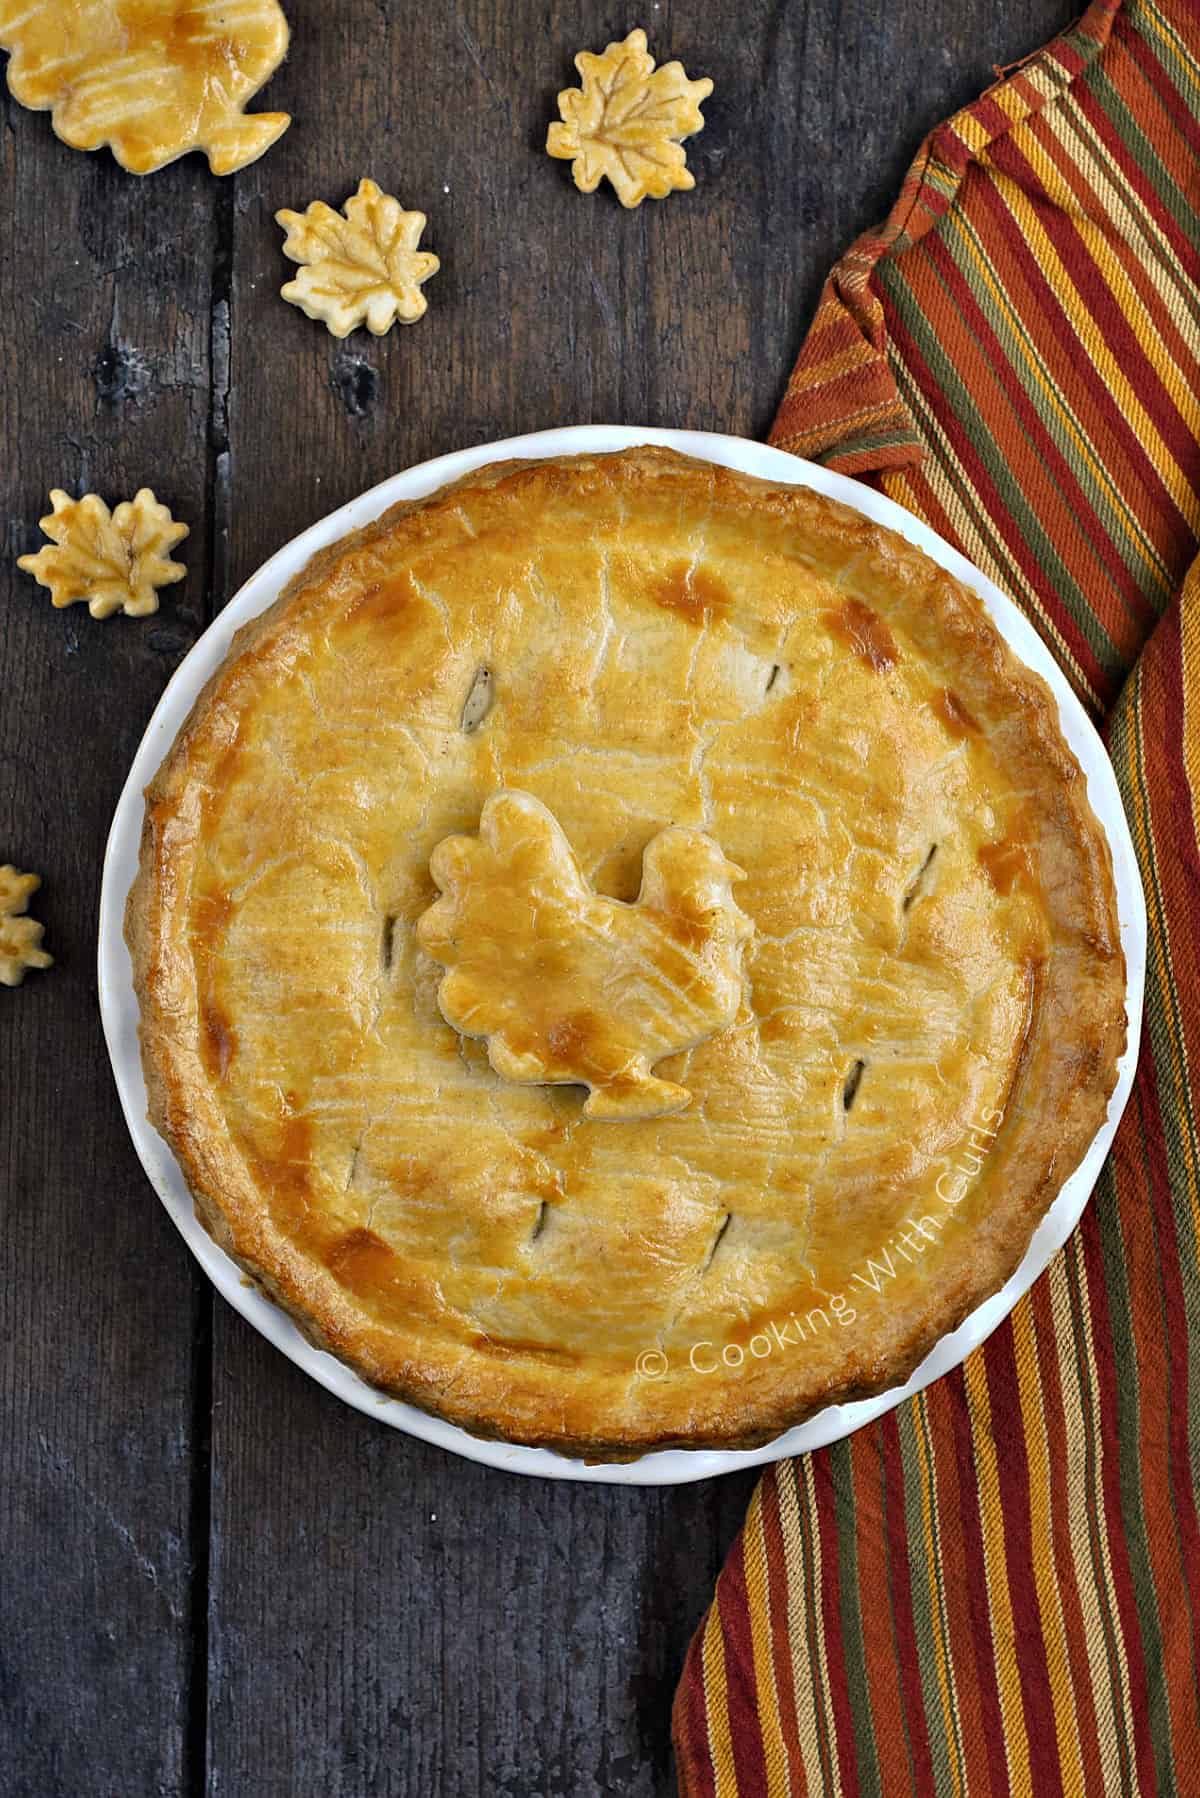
(568,986)
(152,79)
(20,936)
(110,561)
(362,265)
(626,122)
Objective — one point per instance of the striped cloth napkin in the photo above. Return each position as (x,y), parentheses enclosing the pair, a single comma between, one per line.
(996,1589)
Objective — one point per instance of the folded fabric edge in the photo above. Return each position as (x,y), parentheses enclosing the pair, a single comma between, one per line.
(842,406)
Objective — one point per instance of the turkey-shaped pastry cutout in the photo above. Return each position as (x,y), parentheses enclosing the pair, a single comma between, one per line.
(153,79)
(568,986)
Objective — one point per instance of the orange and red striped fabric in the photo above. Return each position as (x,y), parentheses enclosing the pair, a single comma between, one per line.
(996,1589)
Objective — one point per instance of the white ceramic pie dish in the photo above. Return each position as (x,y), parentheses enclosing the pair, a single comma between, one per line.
(119,1010)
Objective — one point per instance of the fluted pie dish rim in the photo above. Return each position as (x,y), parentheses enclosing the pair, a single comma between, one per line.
(758,1431)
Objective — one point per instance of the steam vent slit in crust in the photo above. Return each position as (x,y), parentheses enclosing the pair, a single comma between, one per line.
(625,955)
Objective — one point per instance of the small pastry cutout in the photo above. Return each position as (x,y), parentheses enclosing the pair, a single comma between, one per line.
(153,79)
(19,935)
(626,122)
(112,561)
(362,265)
(568,986)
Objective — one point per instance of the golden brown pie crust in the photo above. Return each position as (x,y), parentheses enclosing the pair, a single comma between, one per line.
(934,998)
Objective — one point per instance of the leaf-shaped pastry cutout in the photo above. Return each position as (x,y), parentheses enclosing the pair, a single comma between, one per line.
(152,81)
(19,935)
(112,561)
(362,266)
(569,986)
(626,122)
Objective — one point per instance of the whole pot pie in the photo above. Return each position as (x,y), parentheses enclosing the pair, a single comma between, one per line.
(625,955)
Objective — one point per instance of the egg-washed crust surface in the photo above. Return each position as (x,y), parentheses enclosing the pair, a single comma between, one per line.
(152,79)
(934,991)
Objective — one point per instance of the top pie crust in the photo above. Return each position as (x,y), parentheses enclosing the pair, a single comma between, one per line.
(933,987)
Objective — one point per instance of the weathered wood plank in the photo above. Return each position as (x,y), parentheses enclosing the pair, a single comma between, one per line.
(390,1619)
(104,383)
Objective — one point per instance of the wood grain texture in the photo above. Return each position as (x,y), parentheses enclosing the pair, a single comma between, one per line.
(104,293)
(324,1608)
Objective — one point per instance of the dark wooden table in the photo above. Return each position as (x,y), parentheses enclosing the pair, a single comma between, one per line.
(216,1579)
